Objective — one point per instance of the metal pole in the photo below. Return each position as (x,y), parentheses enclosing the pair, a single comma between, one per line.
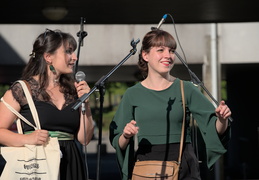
(214,60)
(214,79)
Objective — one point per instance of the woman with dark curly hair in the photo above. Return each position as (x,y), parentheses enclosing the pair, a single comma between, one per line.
(49,76)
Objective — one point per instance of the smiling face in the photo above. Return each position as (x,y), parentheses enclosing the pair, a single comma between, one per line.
(160,59)
(157,52)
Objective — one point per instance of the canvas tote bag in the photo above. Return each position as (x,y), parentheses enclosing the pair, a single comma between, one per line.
(30,162)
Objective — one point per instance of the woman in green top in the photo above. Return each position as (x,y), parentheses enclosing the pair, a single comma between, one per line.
(152,110)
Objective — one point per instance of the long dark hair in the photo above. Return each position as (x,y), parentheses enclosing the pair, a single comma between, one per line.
(49,42)
(154,38)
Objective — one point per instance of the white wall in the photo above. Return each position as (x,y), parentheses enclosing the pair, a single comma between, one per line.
(239,43)
(109,44)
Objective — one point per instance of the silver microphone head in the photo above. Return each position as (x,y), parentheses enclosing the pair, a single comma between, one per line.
(80,76)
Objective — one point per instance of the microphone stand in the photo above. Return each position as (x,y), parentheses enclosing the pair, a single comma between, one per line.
(81,34)
(100,85)
(197,81)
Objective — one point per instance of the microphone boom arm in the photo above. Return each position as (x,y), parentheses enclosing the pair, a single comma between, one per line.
(197,81)
(104,78)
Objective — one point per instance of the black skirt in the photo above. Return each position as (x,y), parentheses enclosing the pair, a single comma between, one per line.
(189,168)
(71,164)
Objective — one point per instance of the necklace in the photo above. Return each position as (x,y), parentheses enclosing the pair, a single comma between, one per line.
(56,81)
(55,84)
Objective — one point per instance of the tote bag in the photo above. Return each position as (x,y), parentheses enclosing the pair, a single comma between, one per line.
(31,162)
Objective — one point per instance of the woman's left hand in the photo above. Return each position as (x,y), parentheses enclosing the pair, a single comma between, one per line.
(222,111)
(82,88)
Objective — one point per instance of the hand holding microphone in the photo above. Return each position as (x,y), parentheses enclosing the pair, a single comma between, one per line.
(81,86)
(80,76)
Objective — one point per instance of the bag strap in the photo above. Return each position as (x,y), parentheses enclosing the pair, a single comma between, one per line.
(183,124)
(31,103)
(21,117)
(32,108)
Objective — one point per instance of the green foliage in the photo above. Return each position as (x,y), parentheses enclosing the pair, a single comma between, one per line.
(107,118)
(224,90)
(3,88)
(112,97)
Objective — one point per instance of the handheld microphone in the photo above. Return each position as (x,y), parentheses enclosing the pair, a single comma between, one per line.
(80,76)
(160,23)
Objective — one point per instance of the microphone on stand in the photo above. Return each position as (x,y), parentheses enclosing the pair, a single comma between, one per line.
(82,33)
(160,23)
(80,76)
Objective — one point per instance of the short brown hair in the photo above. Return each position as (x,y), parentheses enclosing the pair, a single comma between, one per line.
(154,38)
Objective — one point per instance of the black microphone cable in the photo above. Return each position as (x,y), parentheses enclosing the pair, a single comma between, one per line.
(185,59)
(177,38)
(160,24)
(192,120)
(85,150)
(80,76)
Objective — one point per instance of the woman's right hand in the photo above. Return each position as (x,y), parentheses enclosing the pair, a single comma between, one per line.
(37,137)
(130,129)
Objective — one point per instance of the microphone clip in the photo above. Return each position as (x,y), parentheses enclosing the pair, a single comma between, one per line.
(154,28)
(82,34)
(134,45)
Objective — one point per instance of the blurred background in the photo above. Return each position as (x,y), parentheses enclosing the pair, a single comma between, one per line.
(218,40)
